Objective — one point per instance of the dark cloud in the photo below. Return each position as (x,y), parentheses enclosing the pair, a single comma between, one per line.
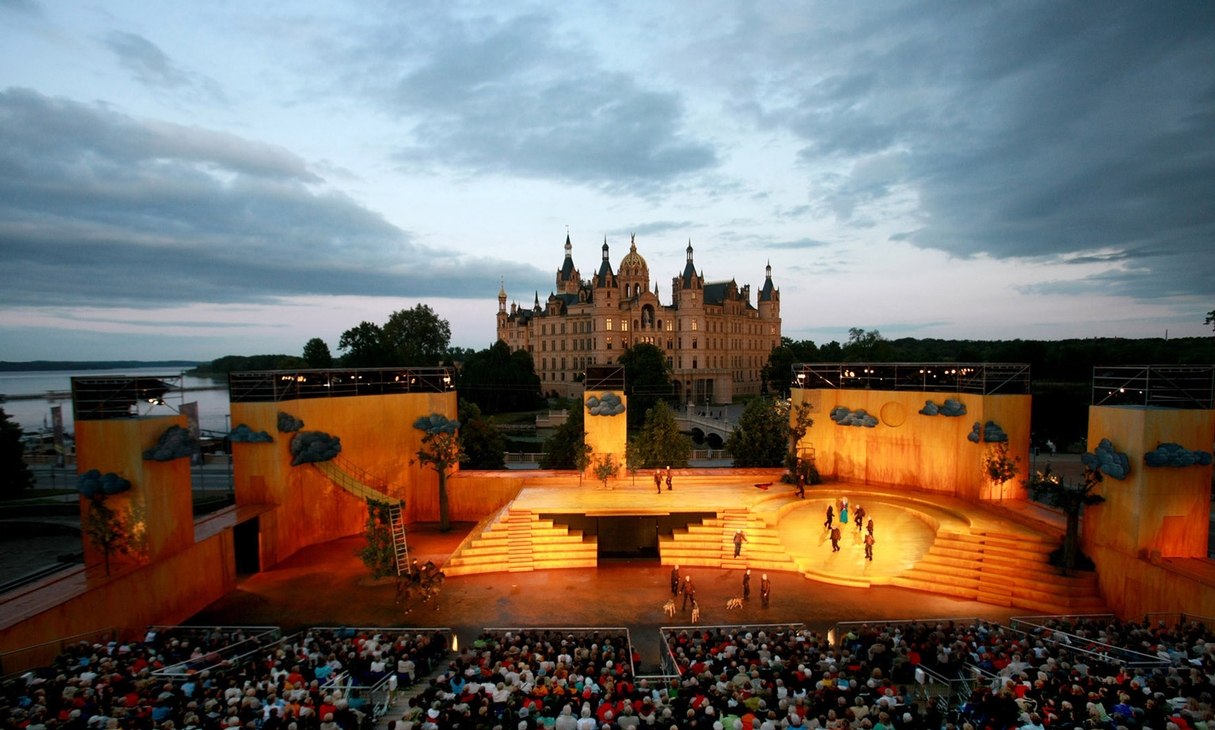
(510,97)
(147,63)
(1025,129)
(799,244)
(97,208)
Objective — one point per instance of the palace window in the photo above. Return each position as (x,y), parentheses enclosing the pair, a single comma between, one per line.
(608,324)
(624,325)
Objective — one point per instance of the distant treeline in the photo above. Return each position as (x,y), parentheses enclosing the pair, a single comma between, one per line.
(248,363)
(13,367)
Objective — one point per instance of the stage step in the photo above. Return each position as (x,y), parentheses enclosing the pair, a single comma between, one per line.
(1002,570)
(710,543)
(520,541)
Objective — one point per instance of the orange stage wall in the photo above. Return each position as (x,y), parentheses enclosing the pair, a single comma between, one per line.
(378,438)
(908,449)
(1155,514)
(606,434)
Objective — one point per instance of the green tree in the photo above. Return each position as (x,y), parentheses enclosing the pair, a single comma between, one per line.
(483,443)
(866,346)
(761,436)
(316,354)
(416,336)
(501,381)
(1071,497)
(606,468)
(106,529)
(562,449)
(778,371)
(647,380)
(799,421)
(1210,319)
(440,451)
(363,346)
(660,443)
(379,554)
(15,474)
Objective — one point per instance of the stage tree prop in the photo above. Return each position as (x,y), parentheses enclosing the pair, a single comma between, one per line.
(106,529)
(378,554)
(606,468)
(660,444)
(1071,497)
(442,452)
(999,466)
(801,423)
(632,458)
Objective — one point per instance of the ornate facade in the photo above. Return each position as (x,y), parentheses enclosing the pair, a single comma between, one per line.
(715,340)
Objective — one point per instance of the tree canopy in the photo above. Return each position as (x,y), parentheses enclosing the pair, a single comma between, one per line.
(501,381)
(410,337)
(483,444)
(15,474)
(316,354)
(562,450)
(647,379)
(660,443)
(761,436)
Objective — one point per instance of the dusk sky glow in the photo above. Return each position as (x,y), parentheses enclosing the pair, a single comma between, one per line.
(191,180)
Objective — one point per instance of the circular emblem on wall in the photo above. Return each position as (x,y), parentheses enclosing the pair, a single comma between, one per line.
(893,414)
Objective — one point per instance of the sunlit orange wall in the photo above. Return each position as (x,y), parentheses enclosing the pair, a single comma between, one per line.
(908,449)
(165,592)
(1160,509)
(377,436)
(159,499)
(606,434)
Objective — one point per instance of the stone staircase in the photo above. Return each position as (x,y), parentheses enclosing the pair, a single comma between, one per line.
(1002,570)
(519,541)
(710,543)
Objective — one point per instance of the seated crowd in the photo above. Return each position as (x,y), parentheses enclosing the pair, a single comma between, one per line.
(195,679)
(1095,673)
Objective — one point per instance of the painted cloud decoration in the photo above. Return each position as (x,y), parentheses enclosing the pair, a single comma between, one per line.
(845,417)
(1107,460)
(309,447)
(1171,454)
(436,423)
(951,407)
(288,423)
(175,443)
(242,434)
(989,432)
(607,405)
(93,482)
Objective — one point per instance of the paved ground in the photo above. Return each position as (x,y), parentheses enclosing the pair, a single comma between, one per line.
(327,585)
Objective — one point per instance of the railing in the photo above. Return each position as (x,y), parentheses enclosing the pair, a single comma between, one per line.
(1164,386)
(1179,619)
(1082,645)
(44,654)
(671,666)
(282,385)
(956,377)
(228,655)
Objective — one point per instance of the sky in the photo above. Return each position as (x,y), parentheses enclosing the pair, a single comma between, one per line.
(197,179)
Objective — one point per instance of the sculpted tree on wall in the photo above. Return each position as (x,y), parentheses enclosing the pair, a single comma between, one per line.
(442,452)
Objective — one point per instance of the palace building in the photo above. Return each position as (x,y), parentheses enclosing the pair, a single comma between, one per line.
(715,340)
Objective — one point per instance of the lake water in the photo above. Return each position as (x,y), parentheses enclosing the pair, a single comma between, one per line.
(53,388)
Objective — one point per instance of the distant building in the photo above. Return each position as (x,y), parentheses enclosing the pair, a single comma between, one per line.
(715,340)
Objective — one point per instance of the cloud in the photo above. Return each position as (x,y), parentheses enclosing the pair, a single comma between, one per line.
(149,65)
(310,447)
(952,407)
(288,423)
(609,404)
(243,434)
(846,417)
(1037,130)
(99,208)
(1173,454)
(175,443)
(1107,460)
(514,97)
(436,423)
